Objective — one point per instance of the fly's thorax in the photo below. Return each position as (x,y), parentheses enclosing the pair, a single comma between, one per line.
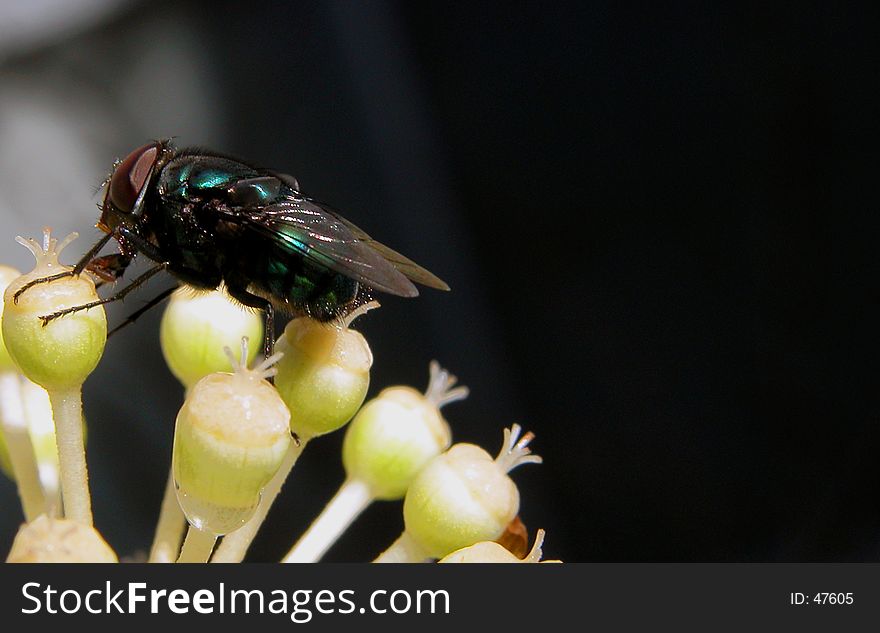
(184,241)
(194,177)
(190,231)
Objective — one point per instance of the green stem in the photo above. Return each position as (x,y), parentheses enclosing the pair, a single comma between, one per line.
(170,528)
(67,412)
(21,450)
(350,500)
(198,546)
(403,550)
(234,545)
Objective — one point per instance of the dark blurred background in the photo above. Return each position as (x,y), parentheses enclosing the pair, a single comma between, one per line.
(657,223)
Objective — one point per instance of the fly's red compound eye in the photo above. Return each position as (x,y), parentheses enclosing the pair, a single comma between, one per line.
(131,175)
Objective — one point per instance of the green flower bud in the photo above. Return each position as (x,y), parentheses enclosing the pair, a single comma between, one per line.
(395,434)
(463,496)
(46,540)
(491,552)
(62,353)
(231,436)
(323,376)
(7,275)
(196,326)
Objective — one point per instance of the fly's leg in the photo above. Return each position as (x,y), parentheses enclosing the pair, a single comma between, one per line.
(76,270)
(239,292)
(109,268)
(237,289)
(137,313)
(134,242)
(138,281)
(268,330)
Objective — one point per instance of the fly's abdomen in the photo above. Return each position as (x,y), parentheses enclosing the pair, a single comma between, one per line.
(309,289)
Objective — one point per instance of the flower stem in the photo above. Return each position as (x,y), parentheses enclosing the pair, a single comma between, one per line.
(403,550)
(198,546)
(350,500)
(170,528)
(21,451)
(67,412)
(235,545)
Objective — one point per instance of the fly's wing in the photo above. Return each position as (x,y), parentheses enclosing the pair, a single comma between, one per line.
(402,263)
(321,236)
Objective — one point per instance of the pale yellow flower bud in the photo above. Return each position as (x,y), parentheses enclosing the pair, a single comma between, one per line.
(46,540)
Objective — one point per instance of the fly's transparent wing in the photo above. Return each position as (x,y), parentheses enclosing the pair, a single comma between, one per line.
(307,229)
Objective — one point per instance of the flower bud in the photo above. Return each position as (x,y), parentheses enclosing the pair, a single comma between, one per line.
(231,436)
(196,326)
(7,275)
(463,496)
(323,376)
(46,540)
(396,433)
(61,353)
(491,552)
